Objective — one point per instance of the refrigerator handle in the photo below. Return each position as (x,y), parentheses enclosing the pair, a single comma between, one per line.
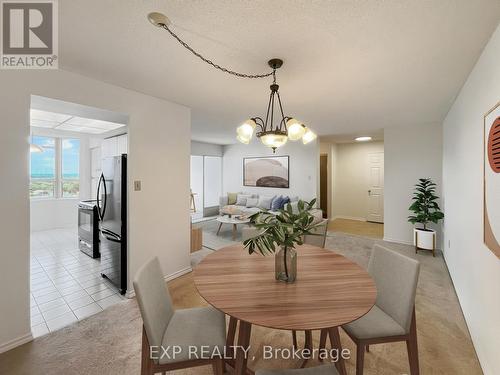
(101,210)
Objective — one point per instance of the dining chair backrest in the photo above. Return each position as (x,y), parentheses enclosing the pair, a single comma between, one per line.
(319,236)
(396,278)
(154,300)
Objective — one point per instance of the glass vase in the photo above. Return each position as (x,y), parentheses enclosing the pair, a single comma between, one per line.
(286,264)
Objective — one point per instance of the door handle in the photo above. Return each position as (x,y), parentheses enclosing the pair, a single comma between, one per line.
(369,192)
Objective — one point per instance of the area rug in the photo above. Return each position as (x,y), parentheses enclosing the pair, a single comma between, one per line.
(109,342)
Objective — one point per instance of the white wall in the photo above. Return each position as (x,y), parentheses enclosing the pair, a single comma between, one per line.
(206,149)
(304,168)
(410,153)
(350,185)
(475,270)
(158,221)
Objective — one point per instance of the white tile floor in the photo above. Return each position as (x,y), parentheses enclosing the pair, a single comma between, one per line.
(66,285)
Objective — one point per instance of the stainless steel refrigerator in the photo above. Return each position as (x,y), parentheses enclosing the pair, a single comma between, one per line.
(112,209)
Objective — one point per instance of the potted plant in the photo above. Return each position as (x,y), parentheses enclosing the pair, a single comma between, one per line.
(425,209)
(282,231)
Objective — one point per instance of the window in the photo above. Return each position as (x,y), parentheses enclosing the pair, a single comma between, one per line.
(55,172)
(43,168)
(70,162)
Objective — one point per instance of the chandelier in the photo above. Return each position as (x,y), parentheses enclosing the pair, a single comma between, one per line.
(286,128)
(271,134)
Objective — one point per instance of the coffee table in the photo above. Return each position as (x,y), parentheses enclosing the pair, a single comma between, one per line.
(231,220)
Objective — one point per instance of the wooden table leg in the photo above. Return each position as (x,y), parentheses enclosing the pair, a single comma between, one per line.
(218,230)
(240,366)
(234,232)
(307,345)
(231,333)
(336,344)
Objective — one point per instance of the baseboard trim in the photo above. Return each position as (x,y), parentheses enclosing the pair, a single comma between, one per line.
(16,342)
(387,239)
(348,218)
(175,275)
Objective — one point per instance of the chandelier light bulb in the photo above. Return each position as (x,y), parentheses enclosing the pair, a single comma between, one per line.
(295,129)
(308,136)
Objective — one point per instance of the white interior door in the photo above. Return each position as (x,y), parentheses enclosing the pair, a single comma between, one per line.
(376,187)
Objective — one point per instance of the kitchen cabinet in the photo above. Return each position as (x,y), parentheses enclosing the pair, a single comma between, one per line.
(114,146)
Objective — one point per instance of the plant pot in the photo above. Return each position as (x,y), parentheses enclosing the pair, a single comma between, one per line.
(286,265)
(424,239)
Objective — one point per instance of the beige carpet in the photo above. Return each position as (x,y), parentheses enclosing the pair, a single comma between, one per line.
(109,342)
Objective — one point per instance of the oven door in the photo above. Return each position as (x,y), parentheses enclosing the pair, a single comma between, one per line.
(87,240)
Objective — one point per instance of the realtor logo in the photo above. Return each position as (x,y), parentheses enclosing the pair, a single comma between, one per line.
(29,34)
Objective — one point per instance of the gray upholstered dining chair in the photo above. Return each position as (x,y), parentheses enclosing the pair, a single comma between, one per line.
(318,238)
(166,327)
(319,370)
(392,318)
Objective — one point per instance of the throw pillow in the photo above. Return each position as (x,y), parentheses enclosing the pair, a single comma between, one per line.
(284,202)
(252,202)
(294,199)
(241,200)
(231,198)
(265,202)
(295,207)
(276,203)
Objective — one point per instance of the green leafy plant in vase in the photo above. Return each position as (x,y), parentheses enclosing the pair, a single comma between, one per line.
(425,210)
(282,231)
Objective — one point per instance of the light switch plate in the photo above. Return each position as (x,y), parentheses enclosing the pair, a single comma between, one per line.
(137,185)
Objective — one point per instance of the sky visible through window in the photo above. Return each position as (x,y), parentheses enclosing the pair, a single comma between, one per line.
(43,164)
(70,158)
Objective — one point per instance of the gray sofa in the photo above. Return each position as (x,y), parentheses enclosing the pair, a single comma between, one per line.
(249,204)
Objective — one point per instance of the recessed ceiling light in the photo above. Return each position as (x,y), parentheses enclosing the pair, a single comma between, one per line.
(363,139)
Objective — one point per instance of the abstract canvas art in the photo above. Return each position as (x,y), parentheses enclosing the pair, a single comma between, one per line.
(266,172)
(492,180)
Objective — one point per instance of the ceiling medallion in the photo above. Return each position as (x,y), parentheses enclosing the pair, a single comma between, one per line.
(271,134)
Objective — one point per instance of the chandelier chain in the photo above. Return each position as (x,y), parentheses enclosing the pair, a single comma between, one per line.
(210,62)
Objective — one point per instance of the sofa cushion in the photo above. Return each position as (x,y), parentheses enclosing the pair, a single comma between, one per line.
(294,198)
(265,202)
(285,201)
(276,203)
(252,202)
(242,199)
(231,198)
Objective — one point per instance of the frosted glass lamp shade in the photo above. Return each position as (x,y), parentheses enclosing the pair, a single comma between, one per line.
(295,129)
(242,139)
(273,140)
(246,129)
(308,136)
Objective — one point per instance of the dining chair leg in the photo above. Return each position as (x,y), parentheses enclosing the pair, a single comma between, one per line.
(307,345)
(412,347)
(240,367)
(146,368)
(367,348)
(322,339)
(294,339)
(336,344)
(218,366)
(360,358)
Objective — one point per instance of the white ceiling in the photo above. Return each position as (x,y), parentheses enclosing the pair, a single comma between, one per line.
(350,66)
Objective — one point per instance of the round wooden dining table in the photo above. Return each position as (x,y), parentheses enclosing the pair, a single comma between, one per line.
(330,290)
